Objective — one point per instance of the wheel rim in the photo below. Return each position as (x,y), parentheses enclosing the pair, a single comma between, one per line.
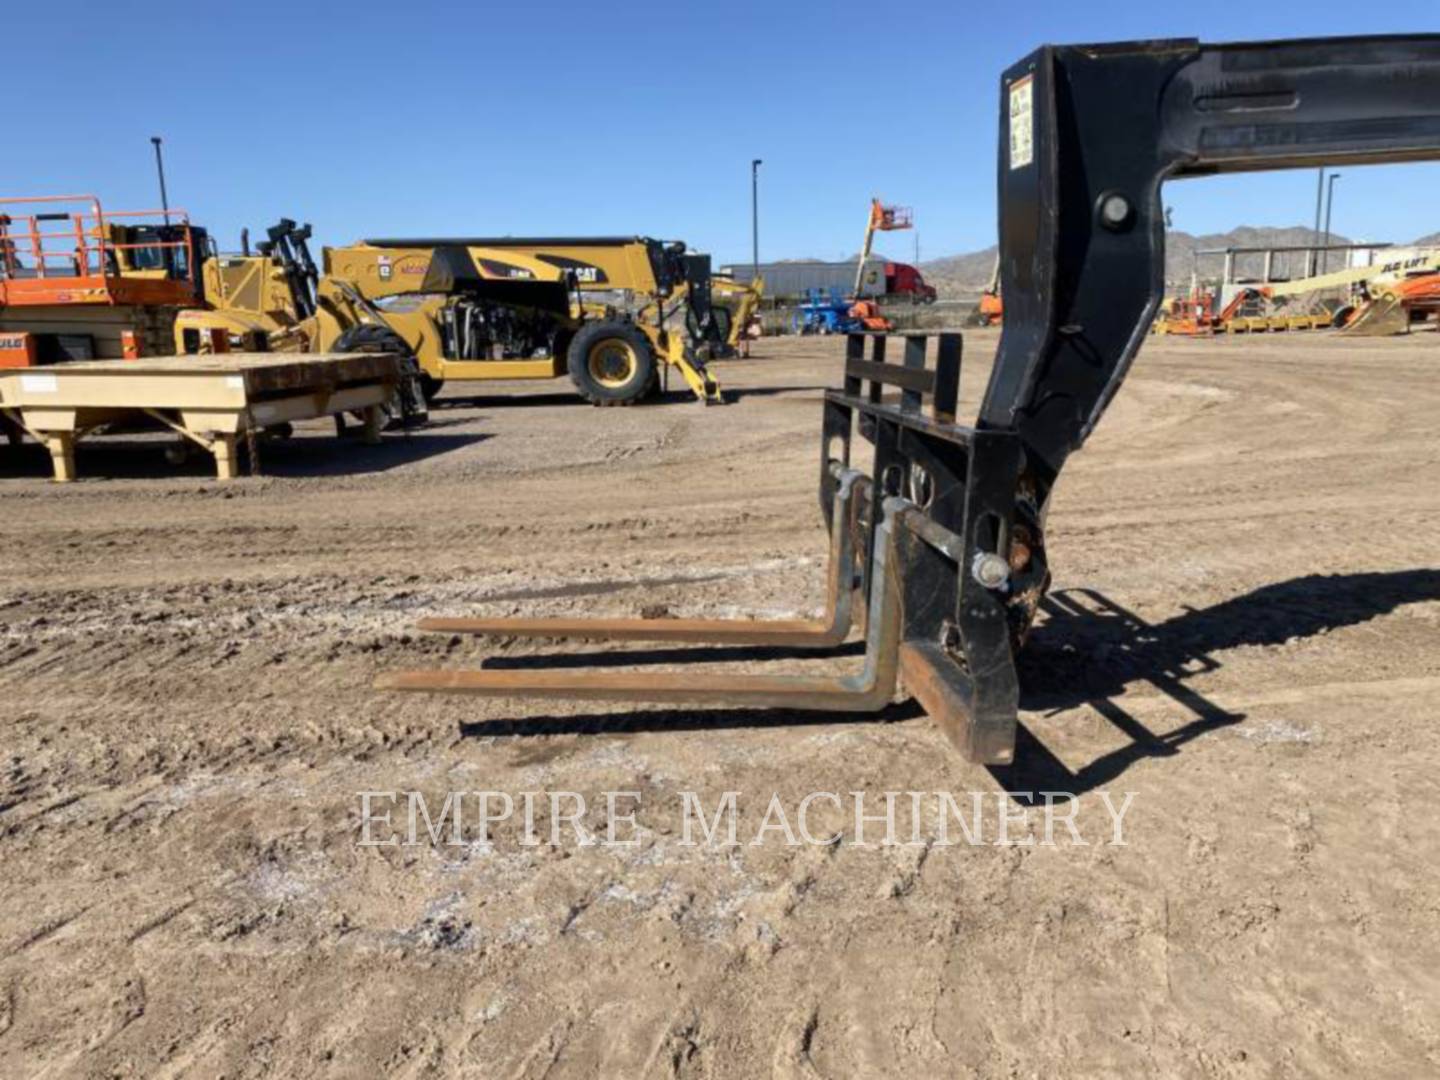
(612,363)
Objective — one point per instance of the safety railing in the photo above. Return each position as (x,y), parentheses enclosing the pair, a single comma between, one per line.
(71,236)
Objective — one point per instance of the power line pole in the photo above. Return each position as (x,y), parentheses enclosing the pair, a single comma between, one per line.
(160,168)
(1329,206)
(755,216)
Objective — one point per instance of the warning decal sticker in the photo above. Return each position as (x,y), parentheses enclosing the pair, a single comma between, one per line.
(1022,122)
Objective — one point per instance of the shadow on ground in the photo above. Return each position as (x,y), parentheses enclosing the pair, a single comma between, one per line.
(121,458)
(1089,649)
(1086,650)
(550,399)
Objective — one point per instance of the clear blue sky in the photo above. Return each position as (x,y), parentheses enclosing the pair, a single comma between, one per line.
(484,117)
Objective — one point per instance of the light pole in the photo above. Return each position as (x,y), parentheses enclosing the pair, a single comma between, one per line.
(1319,202)
(755,216)
(1329,206)
(160,168)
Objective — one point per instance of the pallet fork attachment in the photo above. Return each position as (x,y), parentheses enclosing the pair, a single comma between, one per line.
(948,533)
(852,490)
(870,689)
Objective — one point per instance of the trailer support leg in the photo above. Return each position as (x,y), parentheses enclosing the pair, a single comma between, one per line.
(374,424)
(223,447)
(61,445)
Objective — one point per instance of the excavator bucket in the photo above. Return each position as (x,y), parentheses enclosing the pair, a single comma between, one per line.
(1393,311)
(943,543)
(1381,317)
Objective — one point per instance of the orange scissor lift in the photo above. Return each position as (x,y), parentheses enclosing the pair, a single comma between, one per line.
(88,300)
(80,282)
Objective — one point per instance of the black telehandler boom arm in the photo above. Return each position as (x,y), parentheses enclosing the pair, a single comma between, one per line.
(1082,233)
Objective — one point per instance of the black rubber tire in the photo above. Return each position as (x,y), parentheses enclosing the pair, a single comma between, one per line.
(721,320)
(430,386)
(408,407)
(643,374)
(724,322)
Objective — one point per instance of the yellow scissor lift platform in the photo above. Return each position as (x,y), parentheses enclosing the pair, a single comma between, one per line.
(212,401)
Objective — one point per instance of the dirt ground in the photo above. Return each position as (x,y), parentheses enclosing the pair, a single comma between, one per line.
(1244,638)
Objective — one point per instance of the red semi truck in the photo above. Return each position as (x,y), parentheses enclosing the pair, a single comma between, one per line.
(902,279)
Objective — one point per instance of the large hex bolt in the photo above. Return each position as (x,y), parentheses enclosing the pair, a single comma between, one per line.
(990,570)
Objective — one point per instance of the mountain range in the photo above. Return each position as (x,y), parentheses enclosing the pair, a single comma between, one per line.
(956,276)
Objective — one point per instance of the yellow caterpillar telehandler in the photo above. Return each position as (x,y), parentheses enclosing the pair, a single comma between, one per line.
(649,279)
(471,310)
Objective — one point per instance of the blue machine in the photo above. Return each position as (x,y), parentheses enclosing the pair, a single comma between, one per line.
(824,314)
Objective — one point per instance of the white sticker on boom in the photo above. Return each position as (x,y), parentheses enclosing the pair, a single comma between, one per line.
(40,384)
(235,382)
(1022,122)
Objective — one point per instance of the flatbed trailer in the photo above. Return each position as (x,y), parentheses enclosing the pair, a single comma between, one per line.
(211,401)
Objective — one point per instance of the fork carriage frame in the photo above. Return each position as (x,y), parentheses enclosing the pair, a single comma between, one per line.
(969,567)
(947,539)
